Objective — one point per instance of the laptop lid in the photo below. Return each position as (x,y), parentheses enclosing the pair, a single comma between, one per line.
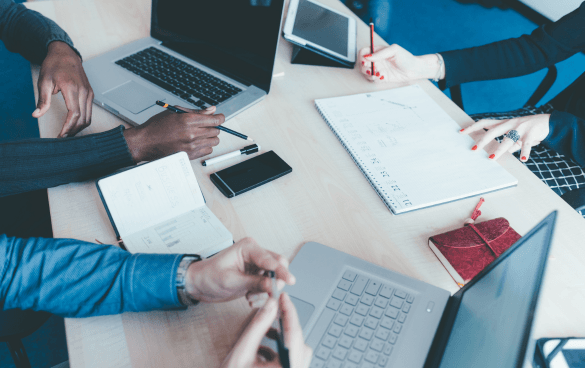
(488,322)
(236,38)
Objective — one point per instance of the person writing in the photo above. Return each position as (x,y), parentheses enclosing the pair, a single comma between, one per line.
(560,128)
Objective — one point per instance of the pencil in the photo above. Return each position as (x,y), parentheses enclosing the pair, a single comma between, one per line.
(223,129)
(372,41)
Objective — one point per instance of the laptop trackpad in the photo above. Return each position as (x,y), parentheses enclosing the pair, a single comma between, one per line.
(304,310)
(134,97)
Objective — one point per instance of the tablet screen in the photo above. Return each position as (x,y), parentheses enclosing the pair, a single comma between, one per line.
(322,27)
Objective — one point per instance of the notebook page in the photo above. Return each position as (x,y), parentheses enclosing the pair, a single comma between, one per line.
(410,149)
(151,193)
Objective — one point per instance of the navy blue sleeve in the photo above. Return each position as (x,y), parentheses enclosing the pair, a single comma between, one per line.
(547,45)
(72,278)
(566,136)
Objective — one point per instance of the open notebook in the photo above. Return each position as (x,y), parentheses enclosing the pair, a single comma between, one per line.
(410,150)
(158,207)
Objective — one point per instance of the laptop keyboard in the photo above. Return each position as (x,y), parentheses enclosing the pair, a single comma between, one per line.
(367,322)
(179,78)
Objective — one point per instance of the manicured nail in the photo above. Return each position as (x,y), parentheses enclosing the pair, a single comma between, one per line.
(523,158)
(363,63)
(382,77)
(367,72)
(492,156)
(368,55)
(36,111)
(461,130)
(474,148)
(377,74)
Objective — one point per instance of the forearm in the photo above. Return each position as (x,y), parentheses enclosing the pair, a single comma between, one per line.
(28,32)
(44,163)
(567,136)
(72,278)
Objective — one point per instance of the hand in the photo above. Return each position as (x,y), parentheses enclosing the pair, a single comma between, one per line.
(247,353)
(532,129)
(170,132)
(237,271)
(62,71)
(395,64)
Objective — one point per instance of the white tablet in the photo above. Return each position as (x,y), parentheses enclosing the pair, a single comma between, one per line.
(321,28)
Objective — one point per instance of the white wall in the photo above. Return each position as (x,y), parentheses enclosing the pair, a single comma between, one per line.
(553,9)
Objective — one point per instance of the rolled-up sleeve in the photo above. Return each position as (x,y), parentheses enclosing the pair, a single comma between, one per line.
(72,278)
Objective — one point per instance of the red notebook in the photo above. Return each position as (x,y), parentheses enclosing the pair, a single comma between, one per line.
(466,251)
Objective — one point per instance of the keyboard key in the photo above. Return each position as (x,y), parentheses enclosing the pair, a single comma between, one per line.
(344,285)
(317,363)
(386,291)
(376,312)
(410,299)
(345,341)
(381,302)
(392,339)
(360,345)
(371,356)
(359,285)
(351,331)
(354,356)
(323,352)
(399,293)
(341,320)
(362,310)
(371,323)
(367,299)
(396,302)
(333,304)
(391,312)
(329,341)
(366,333)
(158,82)
(349,275)
(333,364)
(352,299)
(346,309)
(388,349)
(350,365)
(406,308)
(335,330)
(373,288)
(397,328)
(382,333)
(401,318)
(377,345)
(339,294)
(383,361)
(356,320)
(387,323)
(339,353)
(367,365)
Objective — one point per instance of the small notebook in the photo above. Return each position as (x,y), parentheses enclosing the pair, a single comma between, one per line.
(158,207)
(410,150)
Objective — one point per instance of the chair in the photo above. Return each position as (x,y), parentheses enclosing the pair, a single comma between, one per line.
(15,325)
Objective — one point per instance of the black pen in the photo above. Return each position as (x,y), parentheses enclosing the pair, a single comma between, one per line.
(282,349)
(223,129)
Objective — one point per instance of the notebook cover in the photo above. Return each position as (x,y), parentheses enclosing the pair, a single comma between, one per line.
(466,252)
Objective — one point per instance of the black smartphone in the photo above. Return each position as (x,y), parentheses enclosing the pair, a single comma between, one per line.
(250,174)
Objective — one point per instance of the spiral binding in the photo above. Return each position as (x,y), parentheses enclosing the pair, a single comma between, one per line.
(353,157)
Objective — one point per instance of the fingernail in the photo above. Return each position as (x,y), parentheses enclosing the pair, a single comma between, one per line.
(492,156)
(474,148)
(210,107)
(368,55)
(461,130)
(253,298)
(377,74)
(367,72)
(382,77)
(363,63)
(523,158)
(36,111)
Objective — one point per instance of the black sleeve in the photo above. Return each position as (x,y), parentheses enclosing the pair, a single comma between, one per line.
(546,46)
(27,32)
(44,163)
(567,136)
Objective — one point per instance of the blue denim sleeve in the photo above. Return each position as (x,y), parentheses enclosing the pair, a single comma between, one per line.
(72,278)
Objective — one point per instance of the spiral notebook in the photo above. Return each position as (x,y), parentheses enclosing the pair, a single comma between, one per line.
(410,150)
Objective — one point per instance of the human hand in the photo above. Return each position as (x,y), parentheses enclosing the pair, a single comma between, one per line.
(237,271)
(395,64)
(169,132)
(62,71)
(247,353)
(532,130)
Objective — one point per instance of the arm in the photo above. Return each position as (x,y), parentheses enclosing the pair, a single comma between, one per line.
(567,136)
(72,278)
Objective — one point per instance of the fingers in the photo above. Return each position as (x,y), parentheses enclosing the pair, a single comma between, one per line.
(515,147)
(45,91)
(257,257)
(525,152)
(71,97)
(383,54)
(290,321)
(249,343)
(491,134)
(503,147)
(255,299)
(482,124)
(268,354)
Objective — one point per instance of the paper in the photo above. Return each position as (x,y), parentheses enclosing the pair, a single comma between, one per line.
(410,149)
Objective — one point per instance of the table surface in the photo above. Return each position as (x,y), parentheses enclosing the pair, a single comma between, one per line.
(325,199)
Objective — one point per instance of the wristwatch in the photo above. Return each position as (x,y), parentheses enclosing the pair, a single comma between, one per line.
(180,280)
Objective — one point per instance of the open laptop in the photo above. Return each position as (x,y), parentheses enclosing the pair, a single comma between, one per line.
(200,53)
(357,314)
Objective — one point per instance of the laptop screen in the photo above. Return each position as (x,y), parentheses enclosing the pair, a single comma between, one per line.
(235,37)
(496,311)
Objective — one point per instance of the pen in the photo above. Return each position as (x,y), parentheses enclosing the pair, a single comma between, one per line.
(372,41)
(223,129)
(244,151)
(282,349)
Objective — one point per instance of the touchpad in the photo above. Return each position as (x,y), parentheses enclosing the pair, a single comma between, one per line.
(304,310)
(134,97)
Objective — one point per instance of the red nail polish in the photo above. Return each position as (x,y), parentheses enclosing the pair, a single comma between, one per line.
(382,77)
(461,130)
(492,156)
(523,158)
(474,148)
(368,55)
(368,72)
(363,63)
(377,74)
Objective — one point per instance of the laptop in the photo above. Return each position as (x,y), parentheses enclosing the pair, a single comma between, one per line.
(357,314)
(200,53)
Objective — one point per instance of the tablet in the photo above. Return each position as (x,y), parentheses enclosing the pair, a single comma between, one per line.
(322,29)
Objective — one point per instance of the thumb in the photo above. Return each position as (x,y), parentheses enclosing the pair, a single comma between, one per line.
(208,111)
(383,54)
(45,92)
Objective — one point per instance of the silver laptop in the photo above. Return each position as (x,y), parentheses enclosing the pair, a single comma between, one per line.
(200,53)
(356,314)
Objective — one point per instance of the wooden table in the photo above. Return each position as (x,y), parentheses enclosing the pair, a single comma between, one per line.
(325,199)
